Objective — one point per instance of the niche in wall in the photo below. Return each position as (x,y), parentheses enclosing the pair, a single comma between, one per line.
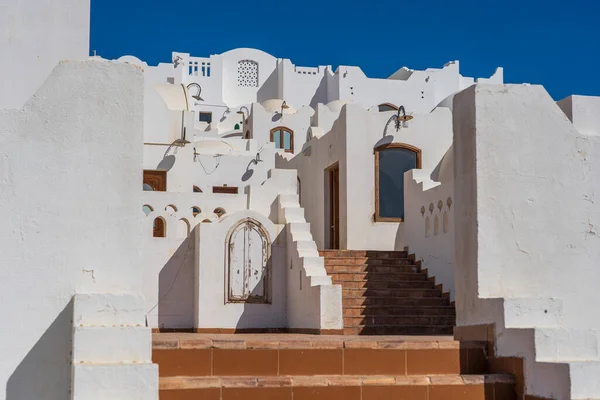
(248,264)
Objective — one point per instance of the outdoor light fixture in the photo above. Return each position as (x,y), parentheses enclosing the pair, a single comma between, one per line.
(399,119)
(284,106)
(241,111)
(197,95)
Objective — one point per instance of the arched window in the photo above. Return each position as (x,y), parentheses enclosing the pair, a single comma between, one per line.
(147,209)
(427,227)
(436,225)
(160,228)
(387,107)
(391,162)
(283,138)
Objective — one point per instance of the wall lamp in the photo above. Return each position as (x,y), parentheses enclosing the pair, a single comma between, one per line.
(199,90)
(399,119)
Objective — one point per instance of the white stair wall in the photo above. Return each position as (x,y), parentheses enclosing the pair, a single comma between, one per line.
(112,349)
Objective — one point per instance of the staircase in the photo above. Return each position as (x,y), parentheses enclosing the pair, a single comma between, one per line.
(305,367)
(387,293)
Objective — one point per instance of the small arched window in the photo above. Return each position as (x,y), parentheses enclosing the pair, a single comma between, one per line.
(391,162)
(387,107)
(159,228)
(427,227)
(283,138)
(436,225)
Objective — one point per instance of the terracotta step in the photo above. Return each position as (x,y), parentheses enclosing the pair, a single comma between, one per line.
(351,387)
(369,284)
(387,301)
(391,293)
(363,253)
(367,261)
(355,311)
(398,330)
(276,355)
(379,276)
(407,320)
(331,269)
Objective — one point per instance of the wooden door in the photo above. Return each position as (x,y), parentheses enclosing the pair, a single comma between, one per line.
(248,266)
(334,207)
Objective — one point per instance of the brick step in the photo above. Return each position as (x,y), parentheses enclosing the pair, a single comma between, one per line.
(403,269)
(405,320)
(367,261)
(350,387)
(285,354)
(379,276)
(369,284)
(355,311)
(393,301)
(391,293)
(398,330)
(363,253)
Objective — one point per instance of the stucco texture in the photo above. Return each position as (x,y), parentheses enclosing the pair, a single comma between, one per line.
(70,180)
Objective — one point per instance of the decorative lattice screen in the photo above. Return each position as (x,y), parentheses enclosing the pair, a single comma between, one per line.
(248,73)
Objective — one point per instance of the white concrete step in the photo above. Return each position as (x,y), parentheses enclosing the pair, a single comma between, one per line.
(108,310)
(566,345)
(115,382)
(300,227)
(289,200)
(293,214)
(112,344)
(585,380)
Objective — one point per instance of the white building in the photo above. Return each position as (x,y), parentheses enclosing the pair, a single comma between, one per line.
(251,167)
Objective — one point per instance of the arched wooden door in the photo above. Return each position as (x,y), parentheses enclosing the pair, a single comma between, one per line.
(248,266)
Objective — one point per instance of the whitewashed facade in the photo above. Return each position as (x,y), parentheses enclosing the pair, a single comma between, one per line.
(492,186)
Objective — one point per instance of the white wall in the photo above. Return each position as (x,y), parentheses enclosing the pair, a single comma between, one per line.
(584,113)
(418,91)
(351,143)
(69,201)
(211,264)
(262,120)
(227,165)
(34,36)
(525,181)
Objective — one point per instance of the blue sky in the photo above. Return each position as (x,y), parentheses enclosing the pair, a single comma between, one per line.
(556,44)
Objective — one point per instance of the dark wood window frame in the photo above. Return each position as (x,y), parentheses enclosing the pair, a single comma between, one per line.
(200,113)
(225,189)
(282,129)
(156,179)
(390,105)
(414,149)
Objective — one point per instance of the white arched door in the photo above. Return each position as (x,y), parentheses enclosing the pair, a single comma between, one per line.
(248,267)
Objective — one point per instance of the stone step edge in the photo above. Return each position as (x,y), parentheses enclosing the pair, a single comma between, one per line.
(394,306)
(186,382)
(330,343)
